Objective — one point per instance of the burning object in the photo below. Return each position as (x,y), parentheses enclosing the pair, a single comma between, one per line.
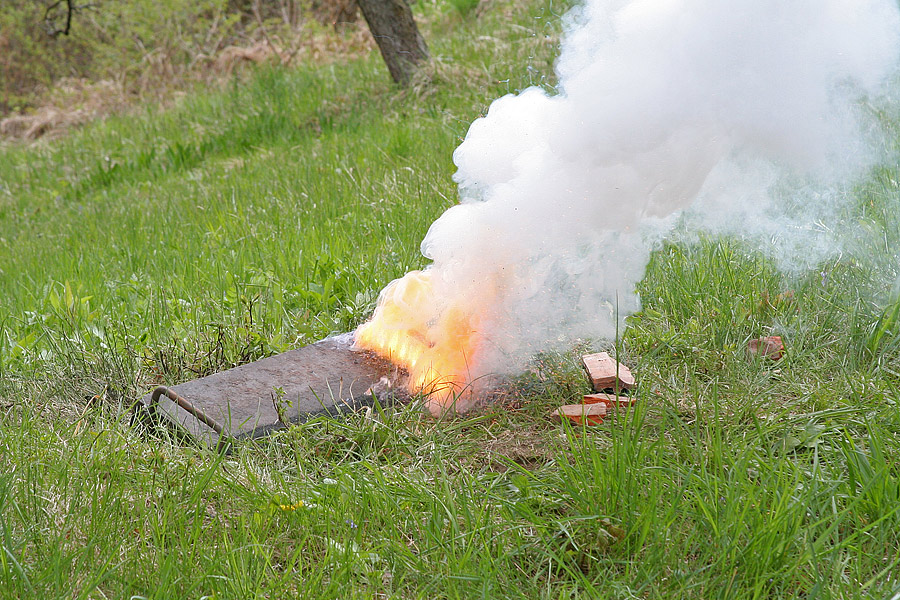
(436,354)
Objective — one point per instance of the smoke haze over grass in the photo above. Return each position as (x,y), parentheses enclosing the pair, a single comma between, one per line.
(750,112)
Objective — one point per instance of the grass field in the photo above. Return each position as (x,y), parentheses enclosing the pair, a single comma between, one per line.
(161,246)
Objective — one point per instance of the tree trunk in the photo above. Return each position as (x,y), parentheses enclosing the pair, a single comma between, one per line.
(394,29)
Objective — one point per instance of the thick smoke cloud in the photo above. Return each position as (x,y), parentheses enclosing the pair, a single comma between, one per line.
(662,106)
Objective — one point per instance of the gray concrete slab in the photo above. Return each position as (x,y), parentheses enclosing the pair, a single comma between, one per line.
(326,377)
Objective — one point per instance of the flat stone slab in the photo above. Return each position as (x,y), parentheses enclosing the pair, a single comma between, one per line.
(328,377)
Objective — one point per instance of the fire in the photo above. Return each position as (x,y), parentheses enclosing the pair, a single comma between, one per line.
(433,342)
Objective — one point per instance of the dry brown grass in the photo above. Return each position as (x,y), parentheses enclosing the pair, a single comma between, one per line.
(72,102)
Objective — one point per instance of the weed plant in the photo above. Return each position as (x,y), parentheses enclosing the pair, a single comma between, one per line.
(168,245)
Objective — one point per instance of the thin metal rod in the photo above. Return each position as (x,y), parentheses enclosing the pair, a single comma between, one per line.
(186,405)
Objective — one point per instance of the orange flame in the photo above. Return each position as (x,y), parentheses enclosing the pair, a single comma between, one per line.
(434,343)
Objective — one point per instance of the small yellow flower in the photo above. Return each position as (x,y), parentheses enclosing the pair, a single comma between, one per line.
(289,507)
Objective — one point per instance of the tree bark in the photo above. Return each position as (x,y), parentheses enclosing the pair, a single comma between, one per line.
(394,29)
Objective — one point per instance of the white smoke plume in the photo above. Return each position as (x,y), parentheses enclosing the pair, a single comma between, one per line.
(662,105)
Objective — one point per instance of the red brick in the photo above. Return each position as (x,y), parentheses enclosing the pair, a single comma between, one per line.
(770,347)
(605,373)
(609,400)
(592,414)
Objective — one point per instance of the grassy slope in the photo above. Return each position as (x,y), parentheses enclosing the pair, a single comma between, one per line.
(242,222)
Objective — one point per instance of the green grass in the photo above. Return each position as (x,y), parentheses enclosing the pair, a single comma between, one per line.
(161,246)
